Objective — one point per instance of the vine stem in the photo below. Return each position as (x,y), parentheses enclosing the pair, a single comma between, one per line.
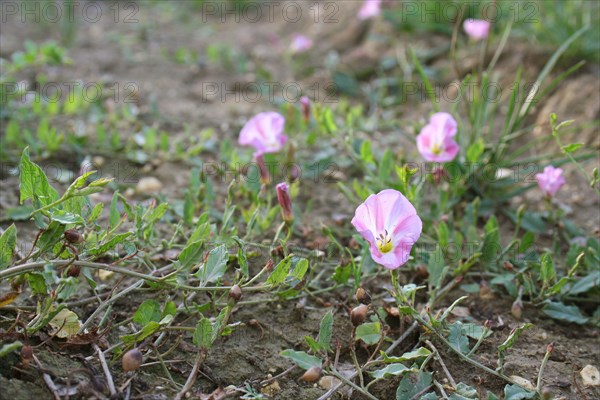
(20,269)
(406,333)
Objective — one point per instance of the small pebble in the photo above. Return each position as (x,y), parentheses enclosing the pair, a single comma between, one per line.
(590,376)
(148,185)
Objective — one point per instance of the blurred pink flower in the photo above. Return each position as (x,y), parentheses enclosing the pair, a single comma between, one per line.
(264,132)
(369,9)
(301,43)
(305,103)
(550,180)
(477,29)
(436,140)
(390,224)
(285,201)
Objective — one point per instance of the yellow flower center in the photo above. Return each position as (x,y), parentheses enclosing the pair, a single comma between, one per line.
(437,149)
(384,242)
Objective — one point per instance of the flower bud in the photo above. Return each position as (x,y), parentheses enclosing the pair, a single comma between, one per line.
(550,348)
(132,360)
(363,296)
(26,354)
(311,375)
(265,177)
(73,236)
(235,293)
(358,314)
(285,202)
(305,103)
(517,309)
(546,394)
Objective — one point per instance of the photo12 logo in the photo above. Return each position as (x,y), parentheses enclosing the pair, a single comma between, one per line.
(270,11)
(59,11)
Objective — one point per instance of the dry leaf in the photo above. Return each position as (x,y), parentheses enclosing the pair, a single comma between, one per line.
(8,298)
(65,324)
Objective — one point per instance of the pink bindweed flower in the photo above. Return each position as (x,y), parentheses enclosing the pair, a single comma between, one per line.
(477,29)
(264,132)
(300,43)
(550,180)
(305,104)
(390,224)
(436,140)
(285,202)
(369,9)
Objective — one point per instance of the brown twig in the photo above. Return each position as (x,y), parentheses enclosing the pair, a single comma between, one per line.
(284,373)
(109,379)
(192,377)
(439,358)
(47,379)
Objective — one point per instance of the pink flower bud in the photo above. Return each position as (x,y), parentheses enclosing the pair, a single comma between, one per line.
(305,103)
(369,9)
(285,202)
(300,43)
(265,178)
(477,29)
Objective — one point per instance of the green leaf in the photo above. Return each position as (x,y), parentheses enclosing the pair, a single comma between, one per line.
(475,331)
(242,260)
(547,269)
(203,334)
(8,242)
(8,348)
(37,283)
(411,355)
(370,332)
(435,267)
(51,236)
(302,359)
(191,255)
(413,384)
(300,269)
(313,344)
(443,234)
(391,370)
(215,265)
(150,329)
(513,337)
(560,311)
(457,338)
(586,283)
(170,309)
(491,244)
(148,311)
(475,150)
(111,244)
(34,182)
(66,218)
(325,330)
(96,212)
(115,215)
(515,392)
(570,148)
(526,241)
(280,272)
(464,392)
(219,322)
